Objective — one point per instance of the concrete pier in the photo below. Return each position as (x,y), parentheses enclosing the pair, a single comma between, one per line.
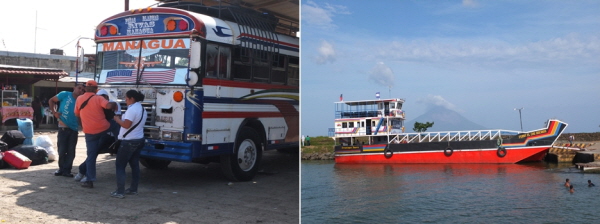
(582,152)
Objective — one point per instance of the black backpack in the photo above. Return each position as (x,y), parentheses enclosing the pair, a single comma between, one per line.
(13,138)
(108,113)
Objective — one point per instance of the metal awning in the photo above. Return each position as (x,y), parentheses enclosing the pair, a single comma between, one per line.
(27,75)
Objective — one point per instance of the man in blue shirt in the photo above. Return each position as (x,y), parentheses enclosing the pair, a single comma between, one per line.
(68,128)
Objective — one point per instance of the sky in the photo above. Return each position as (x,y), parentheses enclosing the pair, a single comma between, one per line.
(481,59)
(59,23)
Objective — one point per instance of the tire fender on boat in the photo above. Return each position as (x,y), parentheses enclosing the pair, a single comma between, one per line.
(448,151)
(501,152)
(388,153)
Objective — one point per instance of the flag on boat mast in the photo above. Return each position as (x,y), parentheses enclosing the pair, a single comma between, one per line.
(341,98)
(377,95)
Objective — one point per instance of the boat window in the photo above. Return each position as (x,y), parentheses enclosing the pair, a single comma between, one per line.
(362,124)
(344,125)
(351,124)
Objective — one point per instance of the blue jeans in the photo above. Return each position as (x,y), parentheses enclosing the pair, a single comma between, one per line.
(92,142)
(129,152)
(66,143)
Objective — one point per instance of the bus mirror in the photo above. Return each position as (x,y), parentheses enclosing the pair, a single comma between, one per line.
(195,50)
(192,78)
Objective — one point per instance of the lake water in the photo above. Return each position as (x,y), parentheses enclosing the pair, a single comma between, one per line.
(447,193)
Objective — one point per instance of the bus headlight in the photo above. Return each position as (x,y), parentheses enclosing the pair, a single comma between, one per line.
(171,135)
(194,137)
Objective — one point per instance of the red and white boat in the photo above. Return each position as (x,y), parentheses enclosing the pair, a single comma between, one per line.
(372,131)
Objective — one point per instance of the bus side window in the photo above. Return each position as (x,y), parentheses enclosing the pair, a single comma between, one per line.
(212,52)
(224,62)
(260,66)
(241,64)
(278,69)
(293,71)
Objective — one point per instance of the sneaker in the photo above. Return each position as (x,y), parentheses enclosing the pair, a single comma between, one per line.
(130,192)
(88,184)
(114,194)
(78,177)
(57,173)
(84,179)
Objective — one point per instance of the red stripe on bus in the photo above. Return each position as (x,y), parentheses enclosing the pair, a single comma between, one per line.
(267,40)
(240,114)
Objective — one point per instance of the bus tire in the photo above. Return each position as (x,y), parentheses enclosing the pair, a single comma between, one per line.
(242,165)
(448,151)
(501,152)
(388,153)
(158,164)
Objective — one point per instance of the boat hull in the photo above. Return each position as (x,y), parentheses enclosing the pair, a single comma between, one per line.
(523,147)
(489,155)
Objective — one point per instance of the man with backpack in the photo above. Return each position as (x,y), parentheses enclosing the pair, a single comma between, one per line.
(90,109)
(105,140)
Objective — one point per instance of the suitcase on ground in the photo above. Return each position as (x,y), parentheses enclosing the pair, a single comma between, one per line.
(13,138)
(16,159)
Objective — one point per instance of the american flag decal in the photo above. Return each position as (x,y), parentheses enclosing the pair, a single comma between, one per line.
(153,77)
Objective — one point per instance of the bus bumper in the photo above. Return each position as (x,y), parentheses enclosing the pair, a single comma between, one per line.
(173,151)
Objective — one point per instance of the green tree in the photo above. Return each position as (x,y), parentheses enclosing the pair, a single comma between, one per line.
(422,127)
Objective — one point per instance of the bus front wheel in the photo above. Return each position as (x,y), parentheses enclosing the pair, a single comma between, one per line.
(155,163)
(242,165)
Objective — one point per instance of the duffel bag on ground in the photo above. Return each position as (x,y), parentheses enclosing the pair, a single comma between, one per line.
(3,146)
(13,138)
(36,154)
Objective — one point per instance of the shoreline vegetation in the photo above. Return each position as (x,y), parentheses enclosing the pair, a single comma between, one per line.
(321,147)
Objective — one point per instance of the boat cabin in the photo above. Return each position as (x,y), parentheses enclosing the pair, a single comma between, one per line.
(366,118)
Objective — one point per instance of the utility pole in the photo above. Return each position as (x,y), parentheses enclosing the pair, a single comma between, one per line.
(520,118)
(35,33)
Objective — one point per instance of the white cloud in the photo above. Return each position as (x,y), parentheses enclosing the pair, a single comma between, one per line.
(436,100)
(326,53)
(469,3)
(382,74)
(489,52)
(321,16)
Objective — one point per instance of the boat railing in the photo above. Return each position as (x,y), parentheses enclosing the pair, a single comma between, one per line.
(477,135)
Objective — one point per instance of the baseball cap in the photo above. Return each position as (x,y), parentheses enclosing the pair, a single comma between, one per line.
(102,92)
(91,83)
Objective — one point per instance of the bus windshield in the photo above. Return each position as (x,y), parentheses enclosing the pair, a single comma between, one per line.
(165,58)
(165,61)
